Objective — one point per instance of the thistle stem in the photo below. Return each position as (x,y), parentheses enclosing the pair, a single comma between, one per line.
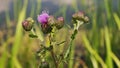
(51,45)
(70,51)
(53,56)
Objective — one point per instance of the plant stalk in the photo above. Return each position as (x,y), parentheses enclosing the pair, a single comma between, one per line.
(53,56)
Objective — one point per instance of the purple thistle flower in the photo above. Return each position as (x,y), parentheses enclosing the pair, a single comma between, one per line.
(43,18)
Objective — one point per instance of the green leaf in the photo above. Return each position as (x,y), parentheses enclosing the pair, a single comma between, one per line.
(60,43)
(33,36)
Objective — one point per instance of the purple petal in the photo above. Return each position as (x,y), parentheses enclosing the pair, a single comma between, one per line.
(43,18)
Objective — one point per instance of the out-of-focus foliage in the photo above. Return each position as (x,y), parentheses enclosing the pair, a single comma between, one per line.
(97,44)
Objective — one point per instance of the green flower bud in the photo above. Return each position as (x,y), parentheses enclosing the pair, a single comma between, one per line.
(60,22)
(28,24)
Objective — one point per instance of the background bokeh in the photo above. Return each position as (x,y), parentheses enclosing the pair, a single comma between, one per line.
(97,44)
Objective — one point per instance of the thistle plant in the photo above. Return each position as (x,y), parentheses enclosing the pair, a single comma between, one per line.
(78,19)
(49,26)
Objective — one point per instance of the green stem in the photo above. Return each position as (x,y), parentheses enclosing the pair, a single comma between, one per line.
(70,51)
(51,45)
(53,56)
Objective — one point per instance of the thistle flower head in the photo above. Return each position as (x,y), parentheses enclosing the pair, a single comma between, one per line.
(43,18)
(51,21)
(80,16)
(46,28)
(60,22)
(28,24)
(86,19)
(61,19)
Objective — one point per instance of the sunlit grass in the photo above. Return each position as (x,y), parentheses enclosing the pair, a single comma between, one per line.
(97,40)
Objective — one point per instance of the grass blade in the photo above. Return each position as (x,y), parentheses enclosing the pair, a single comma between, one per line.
(92,51)
(108,48)
(18,35)
(117,19)
(117,61)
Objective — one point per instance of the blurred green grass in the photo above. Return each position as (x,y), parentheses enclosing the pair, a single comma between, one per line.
(97,44)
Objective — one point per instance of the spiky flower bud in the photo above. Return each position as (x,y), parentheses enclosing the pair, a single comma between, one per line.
(60,22)
(80,16)
(75,15)
(51,21)
(28,24)
(86,19)
(46,28)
